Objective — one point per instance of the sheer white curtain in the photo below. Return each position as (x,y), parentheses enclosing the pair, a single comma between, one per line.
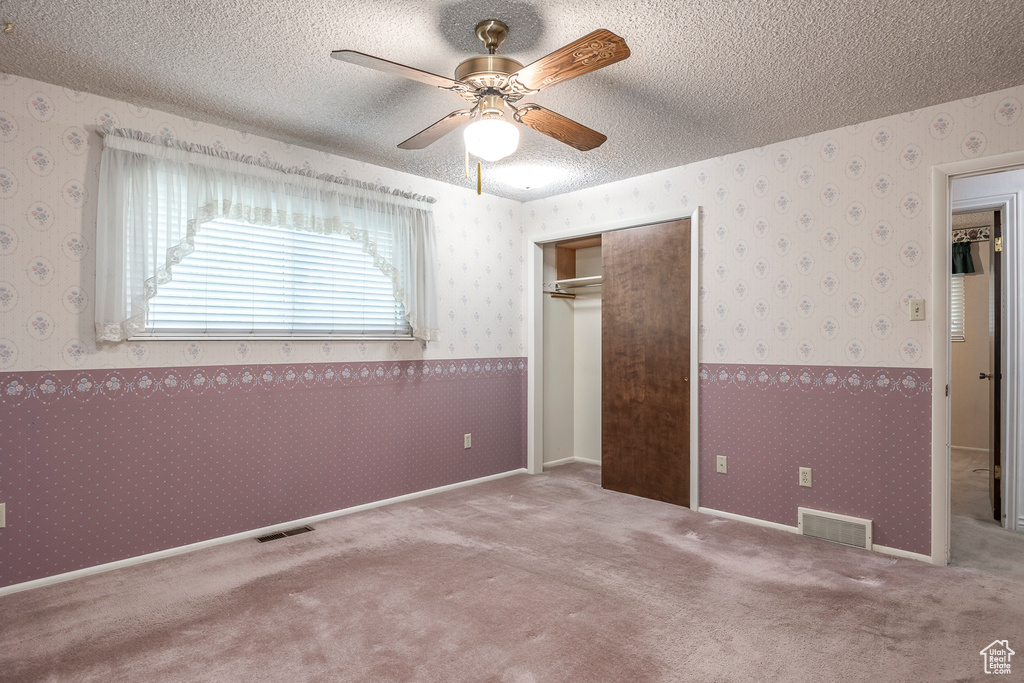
(155,193)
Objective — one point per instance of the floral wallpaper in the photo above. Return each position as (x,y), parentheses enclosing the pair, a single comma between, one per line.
(49,165)
(811,248)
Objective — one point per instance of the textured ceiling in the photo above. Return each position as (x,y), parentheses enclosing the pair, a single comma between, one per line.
(983,219)
(706,77)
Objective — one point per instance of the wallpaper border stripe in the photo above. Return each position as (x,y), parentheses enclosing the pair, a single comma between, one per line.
(125,383)
(828,378)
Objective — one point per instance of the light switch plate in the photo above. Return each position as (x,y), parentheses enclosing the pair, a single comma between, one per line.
(3,515)
(467,440)
(917,309)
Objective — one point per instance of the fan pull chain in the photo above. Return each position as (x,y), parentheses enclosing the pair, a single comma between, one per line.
(467,163)
(479,179)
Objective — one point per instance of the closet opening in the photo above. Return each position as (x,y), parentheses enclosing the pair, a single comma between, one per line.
(618,397)
(572,351)
(616,313)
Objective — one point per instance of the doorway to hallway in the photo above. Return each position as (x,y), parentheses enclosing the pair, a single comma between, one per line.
(983,380)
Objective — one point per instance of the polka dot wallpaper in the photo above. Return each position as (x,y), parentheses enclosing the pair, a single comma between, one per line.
(102,465)
(864,432)
(811,248)
(49,165)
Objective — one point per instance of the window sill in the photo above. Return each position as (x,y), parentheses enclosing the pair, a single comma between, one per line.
(283,337)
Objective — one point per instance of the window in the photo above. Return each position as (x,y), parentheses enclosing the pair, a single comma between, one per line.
(255,281)
(195,243)
(956,307)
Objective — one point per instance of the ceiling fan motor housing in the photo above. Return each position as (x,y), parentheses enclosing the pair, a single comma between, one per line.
(487,71)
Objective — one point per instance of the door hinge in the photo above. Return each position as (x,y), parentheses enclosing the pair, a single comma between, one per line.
(999,244)
(947,390)
(999,472)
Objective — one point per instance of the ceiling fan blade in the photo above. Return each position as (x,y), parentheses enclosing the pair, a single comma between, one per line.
(396,69)
(436,131)
(559,127)
(591,52)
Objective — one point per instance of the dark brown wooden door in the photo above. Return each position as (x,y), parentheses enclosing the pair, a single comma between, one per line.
(645,361)
(995,372)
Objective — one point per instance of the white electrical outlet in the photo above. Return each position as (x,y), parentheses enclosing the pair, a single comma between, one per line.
(722,465)
(805,476)
(3,515)
(917,309)
(467,440)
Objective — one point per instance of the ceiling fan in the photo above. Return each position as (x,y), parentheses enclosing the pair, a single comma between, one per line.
(491,83)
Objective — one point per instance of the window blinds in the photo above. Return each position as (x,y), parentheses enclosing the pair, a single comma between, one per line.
(956,307)
(258,281)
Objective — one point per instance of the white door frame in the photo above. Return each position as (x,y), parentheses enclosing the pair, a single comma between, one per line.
(535,340)
(1006,204)
(1013,383)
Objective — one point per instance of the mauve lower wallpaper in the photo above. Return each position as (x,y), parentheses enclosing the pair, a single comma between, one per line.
(864,432)
(101,465)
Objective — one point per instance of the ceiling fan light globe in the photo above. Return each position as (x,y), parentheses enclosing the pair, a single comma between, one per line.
(491,139)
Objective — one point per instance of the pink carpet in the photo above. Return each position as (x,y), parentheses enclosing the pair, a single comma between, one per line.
(528,578)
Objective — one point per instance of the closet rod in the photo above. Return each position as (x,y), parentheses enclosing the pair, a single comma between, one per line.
(592,284)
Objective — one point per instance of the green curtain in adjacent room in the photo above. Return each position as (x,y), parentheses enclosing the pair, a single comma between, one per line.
(962,261)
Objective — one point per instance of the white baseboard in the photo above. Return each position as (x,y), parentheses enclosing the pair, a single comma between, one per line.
(968,448)
(896,552)
(566,461)
(181,550)
(885,550)
(749,520)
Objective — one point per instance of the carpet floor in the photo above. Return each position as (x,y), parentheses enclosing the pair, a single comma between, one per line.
(976,539)
(526,578)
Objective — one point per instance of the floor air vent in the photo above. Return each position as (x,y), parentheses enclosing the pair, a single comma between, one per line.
(283,534)
(836,528)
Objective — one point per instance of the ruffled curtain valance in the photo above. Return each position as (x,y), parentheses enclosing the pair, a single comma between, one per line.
(963,262)
(155,193)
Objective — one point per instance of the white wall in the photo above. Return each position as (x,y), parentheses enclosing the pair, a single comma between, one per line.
(587,360)
(971,414)
(808,243)
(558,372)
(49,170)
